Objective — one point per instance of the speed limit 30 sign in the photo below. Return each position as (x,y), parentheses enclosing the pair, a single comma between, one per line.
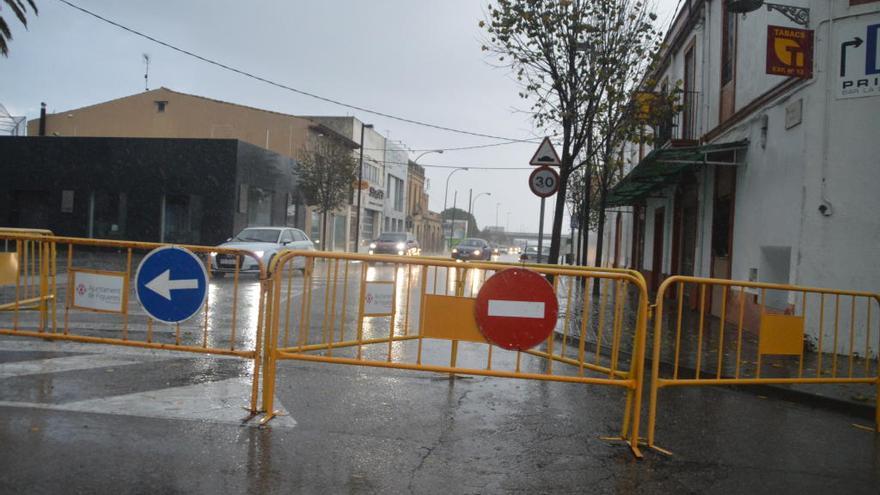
(544,182)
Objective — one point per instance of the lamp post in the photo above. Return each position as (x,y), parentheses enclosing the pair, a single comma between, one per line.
(446,197)
(357,227)
(471,205)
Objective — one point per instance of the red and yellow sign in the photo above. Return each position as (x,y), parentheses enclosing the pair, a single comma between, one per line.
(790,52)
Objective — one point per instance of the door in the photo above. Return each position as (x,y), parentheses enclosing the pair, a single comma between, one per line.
(657,263)
(722,229)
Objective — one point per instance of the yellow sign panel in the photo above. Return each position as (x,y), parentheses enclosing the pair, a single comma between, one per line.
(451,318)
(8,268)
(781,335)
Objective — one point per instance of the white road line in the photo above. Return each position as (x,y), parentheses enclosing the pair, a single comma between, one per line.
(516,309)
(63,346)
(61,365)
(213,402)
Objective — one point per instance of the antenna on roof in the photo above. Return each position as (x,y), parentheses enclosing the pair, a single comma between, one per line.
(146,72)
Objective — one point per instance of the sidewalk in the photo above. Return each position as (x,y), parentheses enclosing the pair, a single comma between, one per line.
(856,398)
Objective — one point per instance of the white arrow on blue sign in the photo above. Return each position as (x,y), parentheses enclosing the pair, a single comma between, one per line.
(171,284)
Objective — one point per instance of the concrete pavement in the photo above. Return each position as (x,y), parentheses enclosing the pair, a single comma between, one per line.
(99,429)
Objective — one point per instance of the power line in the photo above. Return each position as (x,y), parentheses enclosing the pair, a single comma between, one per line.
(460,148)
(469,167)
(283,86)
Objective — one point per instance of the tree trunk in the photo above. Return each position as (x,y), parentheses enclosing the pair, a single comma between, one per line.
(585,221)
(324,231)
(600,234)
(558,213)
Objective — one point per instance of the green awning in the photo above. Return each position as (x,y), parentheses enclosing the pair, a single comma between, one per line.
(666,166)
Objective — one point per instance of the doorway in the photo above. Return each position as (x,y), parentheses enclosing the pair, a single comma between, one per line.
(657,255)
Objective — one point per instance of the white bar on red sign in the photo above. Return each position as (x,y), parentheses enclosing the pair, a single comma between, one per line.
(516,309)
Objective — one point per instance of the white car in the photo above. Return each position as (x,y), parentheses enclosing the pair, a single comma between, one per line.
(264,242)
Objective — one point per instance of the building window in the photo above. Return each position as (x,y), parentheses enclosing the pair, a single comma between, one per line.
(259,203)
(160,106)
(109,213)
(398,193)
(728,45)
(181,218)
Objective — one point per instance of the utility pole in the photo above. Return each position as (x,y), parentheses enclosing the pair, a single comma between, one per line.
(357,226)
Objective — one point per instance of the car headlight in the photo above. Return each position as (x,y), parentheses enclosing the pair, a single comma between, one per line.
(454,250)
(372,245)
(477,252)
(400,245)
(259,254)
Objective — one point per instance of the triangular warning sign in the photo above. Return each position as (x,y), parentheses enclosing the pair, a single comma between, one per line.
(546,154)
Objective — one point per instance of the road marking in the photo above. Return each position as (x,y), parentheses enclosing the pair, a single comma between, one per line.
(213,402)
(61,365)
(516,309)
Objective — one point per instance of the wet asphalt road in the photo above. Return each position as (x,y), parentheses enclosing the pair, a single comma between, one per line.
(79,418)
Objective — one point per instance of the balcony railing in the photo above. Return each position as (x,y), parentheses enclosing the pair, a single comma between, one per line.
(680,126)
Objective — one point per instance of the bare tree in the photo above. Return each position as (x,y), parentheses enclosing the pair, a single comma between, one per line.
(565,54)
(18,8)
(327,171)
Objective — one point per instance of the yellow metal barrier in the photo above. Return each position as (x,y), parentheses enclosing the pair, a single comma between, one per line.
(416,313)
(230,323)
(21,253)
(728,332)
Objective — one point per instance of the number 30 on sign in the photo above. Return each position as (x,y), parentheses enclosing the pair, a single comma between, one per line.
(544,182)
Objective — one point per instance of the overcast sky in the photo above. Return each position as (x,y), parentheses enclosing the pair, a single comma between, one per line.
(416,59)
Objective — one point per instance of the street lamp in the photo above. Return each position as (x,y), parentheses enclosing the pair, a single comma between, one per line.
(426,153)
(473,201)
(357,227)
(798,15)
(446,195)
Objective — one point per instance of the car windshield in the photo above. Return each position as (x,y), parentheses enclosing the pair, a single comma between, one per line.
(392,237)
(471,242)
(257,235)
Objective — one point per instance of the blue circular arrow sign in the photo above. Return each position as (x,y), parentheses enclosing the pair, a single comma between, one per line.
(171,284)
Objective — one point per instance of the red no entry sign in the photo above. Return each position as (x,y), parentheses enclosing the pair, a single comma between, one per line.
(516,309)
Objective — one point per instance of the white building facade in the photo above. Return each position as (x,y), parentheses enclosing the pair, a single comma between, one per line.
(760,177)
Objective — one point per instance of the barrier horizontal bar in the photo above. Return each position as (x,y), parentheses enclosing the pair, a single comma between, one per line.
(575,362)
(284,256)
(25,302)
(128,343)
(681,382)
(760,285)
(112,243)
(628,384)
(345,343)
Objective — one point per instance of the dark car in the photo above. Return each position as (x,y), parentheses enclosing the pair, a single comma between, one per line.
(472,249)
(400,243)
(530,255)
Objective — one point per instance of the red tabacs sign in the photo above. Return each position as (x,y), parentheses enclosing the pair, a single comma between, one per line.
(790,52)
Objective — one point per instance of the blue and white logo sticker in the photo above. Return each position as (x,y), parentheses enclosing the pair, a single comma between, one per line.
(171,284)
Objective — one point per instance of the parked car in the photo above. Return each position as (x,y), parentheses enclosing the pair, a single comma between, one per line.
(264,242)
(400,243)
(530,254)
(472,249)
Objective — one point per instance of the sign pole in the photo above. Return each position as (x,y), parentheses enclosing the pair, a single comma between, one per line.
(540,232)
